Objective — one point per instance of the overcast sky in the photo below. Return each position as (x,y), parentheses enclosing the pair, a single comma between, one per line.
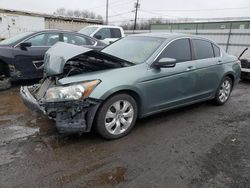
(122,9)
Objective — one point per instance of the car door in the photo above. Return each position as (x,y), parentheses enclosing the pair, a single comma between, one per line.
(170,87)
(208,64)
(30,59)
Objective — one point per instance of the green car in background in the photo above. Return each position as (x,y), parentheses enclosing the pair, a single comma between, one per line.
(132,78)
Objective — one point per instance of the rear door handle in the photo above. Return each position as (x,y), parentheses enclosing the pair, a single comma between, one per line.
(191,68)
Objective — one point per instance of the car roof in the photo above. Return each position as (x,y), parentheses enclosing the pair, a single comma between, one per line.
(171,36)
(104,26)
(162,35)
(54,30)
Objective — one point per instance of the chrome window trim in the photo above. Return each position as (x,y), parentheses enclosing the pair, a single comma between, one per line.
(212,42)
(168,45)
(190,38)
(87,37)
(49,46)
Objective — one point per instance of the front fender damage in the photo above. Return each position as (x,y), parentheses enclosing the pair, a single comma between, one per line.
(70,116)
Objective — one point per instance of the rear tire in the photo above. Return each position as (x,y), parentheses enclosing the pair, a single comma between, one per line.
(116,117)
(224,91)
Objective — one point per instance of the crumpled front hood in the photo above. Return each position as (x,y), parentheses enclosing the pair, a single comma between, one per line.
(58,55)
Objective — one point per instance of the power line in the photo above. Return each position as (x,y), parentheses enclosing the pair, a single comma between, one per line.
(119,14)
(114,3)
(199,10)
(122,3)
(160,14)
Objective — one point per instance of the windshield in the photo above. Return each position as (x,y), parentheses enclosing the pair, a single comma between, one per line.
(134,49)
(14,39)
(88,30)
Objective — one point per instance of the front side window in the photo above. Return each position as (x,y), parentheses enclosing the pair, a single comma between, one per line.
(46,39)
(75,39)
(134,49)
(103,33)
(179,50)
(202,49)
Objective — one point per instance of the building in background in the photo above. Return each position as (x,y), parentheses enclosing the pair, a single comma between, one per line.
(232,35)
(13,22)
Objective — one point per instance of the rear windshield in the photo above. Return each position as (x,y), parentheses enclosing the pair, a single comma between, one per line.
(14,39)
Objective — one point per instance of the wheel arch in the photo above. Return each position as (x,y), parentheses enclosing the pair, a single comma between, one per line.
(231,76)
(4,68)
(133,93)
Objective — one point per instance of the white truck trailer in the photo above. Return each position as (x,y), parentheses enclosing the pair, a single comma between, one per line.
(11,24)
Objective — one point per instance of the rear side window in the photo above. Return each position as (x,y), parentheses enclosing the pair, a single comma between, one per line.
(179,50)
(115,33)
(202,49)
(75,39)
(216,51)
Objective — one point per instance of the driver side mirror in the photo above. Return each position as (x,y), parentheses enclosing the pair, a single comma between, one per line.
(165,63)
(99,37)
(24,45)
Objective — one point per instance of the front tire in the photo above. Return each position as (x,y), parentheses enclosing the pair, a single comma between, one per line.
(116,117)
(224,91)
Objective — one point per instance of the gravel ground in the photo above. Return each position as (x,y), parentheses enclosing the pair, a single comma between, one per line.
(197,146)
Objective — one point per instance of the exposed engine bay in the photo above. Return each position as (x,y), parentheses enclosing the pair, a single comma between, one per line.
(72,116)
(92,61)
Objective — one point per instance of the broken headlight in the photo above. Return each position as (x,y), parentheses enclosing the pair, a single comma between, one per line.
(71,92)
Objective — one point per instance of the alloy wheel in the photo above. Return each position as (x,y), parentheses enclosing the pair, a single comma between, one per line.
(119,117)
(225,90)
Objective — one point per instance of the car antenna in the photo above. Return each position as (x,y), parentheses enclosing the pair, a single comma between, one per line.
(242,53)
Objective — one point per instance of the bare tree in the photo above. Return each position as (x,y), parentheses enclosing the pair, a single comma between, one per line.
(60,11)
(77,13)
(143,24)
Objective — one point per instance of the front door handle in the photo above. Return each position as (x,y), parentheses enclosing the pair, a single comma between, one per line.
(219,61)
(190,68)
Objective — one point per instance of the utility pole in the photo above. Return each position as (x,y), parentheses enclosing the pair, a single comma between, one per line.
(107,12)
(137,5)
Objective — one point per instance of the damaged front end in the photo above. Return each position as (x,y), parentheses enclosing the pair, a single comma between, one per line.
(69,105)
(71,116)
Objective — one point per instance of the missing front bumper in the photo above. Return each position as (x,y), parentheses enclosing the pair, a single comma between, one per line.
(30,101)
(70,117)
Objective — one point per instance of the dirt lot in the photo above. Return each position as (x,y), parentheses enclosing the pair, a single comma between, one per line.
(198,146)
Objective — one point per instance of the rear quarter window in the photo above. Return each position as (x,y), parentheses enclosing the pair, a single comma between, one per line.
(202,49)
(216,51)
(116,33)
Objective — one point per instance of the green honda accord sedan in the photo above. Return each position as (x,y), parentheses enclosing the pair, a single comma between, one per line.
(137,76)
